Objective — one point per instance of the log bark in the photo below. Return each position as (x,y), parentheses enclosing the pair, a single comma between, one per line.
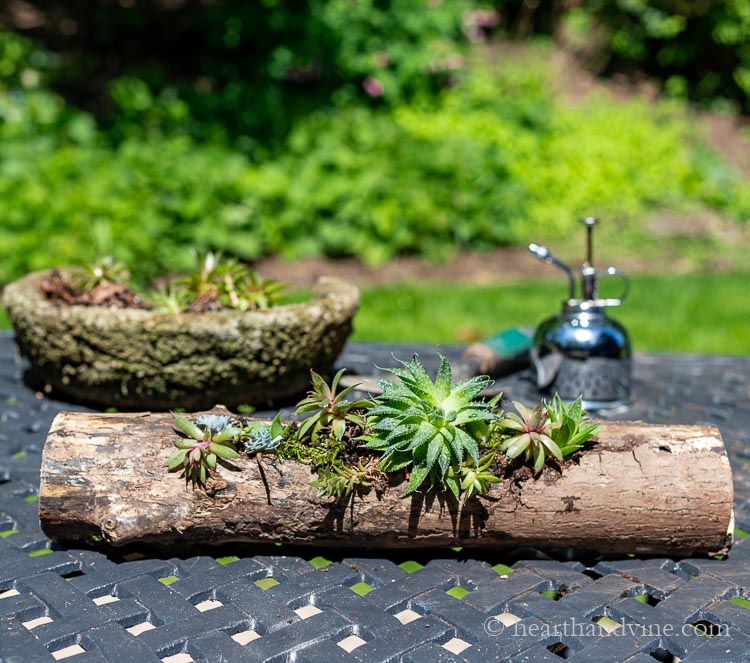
(641,489)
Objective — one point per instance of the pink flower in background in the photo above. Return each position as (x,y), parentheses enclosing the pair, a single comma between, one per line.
(476,21)
(373,86)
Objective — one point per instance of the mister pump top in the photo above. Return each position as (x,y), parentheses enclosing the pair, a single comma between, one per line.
(582,351)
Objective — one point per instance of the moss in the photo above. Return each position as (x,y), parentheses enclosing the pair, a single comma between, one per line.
(327,454)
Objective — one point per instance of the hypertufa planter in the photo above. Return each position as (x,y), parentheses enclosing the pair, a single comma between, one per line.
(643,489)
(133,358)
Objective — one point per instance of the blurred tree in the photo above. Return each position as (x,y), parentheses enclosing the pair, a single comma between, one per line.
(246,69)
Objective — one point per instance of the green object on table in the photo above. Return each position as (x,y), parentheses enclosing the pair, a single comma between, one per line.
(512,342)
(500,354)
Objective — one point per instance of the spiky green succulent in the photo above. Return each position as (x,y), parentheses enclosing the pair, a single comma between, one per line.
(247,291)
(422,426)
(201,444)
(330,412)
(169,299)
(474,479)
(574,429)
(229,283)
(201,282)
(105,269)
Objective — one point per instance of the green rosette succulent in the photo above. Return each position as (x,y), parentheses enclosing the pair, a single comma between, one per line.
(575,429)
(476,479)
(422,426)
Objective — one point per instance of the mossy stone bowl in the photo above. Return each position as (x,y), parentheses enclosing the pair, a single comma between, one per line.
(138,359)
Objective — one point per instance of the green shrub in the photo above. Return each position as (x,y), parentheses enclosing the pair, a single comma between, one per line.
(495,158)
(409,47)
(697,48)
(142,201)
(244,71)
(481,166)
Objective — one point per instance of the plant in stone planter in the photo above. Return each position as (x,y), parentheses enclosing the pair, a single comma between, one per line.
(219,335)
(219,283)
(105,269)
(169,299)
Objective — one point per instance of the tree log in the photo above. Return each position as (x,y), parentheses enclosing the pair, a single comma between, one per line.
(641,489)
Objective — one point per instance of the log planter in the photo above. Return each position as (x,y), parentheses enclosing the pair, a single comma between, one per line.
(641,489)
(137,359)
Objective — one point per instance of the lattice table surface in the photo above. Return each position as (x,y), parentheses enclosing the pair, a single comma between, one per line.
(289,604)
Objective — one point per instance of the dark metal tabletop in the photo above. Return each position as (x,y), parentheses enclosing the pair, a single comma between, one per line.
(288,604)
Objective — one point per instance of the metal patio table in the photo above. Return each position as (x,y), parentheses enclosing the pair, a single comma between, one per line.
(285,604)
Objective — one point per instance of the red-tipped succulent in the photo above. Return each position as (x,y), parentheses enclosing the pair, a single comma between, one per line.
(201,444)
(534,435)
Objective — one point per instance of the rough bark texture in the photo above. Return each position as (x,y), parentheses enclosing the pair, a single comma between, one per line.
(642,489)
(131,358)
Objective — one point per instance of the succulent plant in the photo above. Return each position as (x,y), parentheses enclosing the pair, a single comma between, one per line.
(201,444)
(243,289)
(533,435)
(228,283)
(574,428)
(341,481)
(331,412)
(554,429)
(263,437)
(229,275)
(202,280)
(213,422)
(105,269)
(169,299)
(435,431)
(421,425)
(264,293)
(473,479)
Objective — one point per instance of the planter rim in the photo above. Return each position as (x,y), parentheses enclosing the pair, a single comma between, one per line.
(325,292)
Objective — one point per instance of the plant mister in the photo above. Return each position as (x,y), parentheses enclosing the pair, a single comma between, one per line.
(582,351)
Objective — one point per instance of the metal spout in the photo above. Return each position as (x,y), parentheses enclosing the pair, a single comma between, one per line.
(546,257)
(589,277)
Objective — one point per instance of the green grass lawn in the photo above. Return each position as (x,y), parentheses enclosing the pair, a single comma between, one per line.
(706,313)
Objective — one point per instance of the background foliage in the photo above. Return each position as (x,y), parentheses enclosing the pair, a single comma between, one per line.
(699,49)
(367,128)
